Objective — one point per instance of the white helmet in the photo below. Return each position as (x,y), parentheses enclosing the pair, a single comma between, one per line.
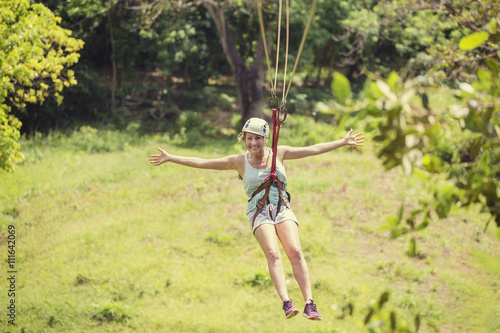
(256,126)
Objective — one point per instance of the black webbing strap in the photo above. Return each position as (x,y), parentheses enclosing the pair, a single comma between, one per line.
(266,185)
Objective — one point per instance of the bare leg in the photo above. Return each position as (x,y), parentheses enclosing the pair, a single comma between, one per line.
(266,236)
(288,233)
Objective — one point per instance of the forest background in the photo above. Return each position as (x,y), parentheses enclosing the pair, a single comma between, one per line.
(110,77)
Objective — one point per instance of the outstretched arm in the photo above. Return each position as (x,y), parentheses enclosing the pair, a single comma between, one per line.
(290,153)
(224,163)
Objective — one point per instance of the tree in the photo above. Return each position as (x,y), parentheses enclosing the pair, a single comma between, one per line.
(456,147)
(414,36)
(187,46)
(460,142)
(249,75)
(35,56)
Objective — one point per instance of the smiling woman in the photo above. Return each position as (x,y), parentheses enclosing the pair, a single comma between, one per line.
(269,212)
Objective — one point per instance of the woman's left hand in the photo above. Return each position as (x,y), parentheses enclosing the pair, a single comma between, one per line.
(354,140)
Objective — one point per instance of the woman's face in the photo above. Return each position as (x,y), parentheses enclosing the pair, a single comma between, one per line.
(255,143)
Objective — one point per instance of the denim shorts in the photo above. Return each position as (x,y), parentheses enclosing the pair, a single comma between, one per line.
(268,215)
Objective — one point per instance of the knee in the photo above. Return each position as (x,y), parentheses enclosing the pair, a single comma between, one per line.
(295,254)
(273,256)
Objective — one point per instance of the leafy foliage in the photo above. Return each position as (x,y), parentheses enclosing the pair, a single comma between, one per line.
(112,312)
(462,144)
(413,36)
(187,48)
(35,54)
(456,147)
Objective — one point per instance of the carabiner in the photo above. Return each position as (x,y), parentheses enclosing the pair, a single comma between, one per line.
(275,100)
(282,112)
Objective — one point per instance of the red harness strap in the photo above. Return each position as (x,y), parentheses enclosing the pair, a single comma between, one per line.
(272,179)
(274,146)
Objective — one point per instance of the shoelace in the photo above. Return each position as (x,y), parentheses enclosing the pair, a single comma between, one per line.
(287,305)
(313,307)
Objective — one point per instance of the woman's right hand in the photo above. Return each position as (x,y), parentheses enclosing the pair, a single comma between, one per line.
(159,159)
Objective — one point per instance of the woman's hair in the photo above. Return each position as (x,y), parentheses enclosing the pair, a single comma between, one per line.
(242,137)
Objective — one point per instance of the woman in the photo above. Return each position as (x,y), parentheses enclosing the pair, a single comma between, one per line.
(268,225)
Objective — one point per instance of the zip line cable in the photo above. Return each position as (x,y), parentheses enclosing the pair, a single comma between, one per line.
(302,42)
(264,42)
(278,46)
(281,107)
(304,36)
(286,50)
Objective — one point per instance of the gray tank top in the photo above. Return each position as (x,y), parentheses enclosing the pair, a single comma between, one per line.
(253,178)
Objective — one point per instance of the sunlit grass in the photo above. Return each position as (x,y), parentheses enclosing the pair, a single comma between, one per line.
(108,243)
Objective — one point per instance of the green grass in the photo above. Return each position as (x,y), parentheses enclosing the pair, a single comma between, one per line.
(108,243)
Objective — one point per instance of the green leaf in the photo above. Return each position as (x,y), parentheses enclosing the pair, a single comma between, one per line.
(384,298)
(371,90)
(393,221)
(493,65)
(401,212)
(398,232)
(495,38)
(432,163)
(341,88)
(424,223)
(484,163)
(425,101)
(417,322)
(386,90)
(421,174)
(412,248)
(473,41)
(369,316)
(411,221)
(392,80)
(484,75)
(393,321)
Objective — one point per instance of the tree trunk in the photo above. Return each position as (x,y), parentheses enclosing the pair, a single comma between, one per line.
(249,81)
(113,60)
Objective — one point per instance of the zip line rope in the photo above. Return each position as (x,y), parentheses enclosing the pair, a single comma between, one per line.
(301,47)
(280,108)
(278,45)
(302,42)
(264,42)
(286,50)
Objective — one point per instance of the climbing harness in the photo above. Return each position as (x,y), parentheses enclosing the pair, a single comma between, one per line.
(272,179)
(279,110)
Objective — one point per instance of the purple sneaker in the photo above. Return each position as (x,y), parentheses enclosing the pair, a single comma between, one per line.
(311,312)
(290,310)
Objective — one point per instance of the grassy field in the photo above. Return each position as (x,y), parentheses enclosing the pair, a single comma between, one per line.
(107,243)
